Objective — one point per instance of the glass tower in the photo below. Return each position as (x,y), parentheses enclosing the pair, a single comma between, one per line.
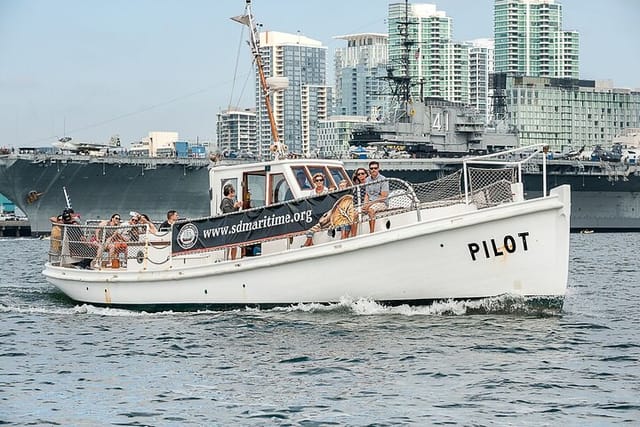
(438,67)
(298,108)
(360,69)
(529,40)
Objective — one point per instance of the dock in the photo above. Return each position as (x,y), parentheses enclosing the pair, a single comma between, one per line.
(15,229)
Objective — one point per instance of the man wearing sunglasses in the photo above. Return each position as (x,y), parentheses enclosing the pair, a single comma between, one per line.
(377,190)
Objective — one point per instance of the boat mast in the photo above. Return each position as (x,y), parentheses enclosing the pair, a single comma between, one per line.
(277,147)
(400,83)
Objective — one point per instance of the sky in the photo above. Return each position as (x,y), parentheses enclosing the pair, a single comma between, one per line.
(91,69)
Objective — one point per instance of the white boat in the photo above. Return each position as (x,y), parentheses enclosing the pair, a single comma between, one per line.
(434,242)
(468,235)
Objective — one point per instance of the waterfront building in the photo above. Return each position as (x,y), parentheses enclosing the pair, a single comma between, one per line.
(236,131)
(566,113)
(334,135)
(529,40)
(480,69)
(156,144)
(297,109)
(360,71)
(439,65)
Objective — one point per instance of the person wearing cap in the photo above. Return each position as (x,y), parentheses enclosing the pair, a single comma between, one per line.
(65,218)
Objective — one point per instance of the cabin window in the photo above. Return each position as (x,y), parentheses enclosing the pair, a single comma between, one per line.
(338,174)
(304,179)
(279,188)
(253,191)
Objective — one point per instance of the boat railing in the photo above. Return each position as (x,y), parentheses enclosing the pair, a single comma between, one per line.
(95,246)
(503,169)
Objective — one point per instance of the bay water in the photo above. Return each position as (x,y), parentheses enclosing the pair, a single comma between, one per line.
(355,363)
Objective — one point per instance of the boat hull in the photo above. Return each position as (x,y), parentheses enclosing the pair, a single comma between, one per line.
(519,249)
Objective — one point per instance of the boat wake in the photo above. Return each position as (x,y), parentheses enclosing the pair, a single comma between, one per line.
(76,310)
(505,304)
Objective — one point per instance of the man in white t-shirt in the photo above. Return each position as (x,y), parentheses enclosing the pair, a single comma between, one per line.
(377,190)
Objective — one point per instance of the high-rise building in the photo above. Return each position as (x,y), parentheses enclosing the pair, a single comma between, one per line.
(530,41)
(236,131)
(438,67)
(480,69)
(307,99)
(360,69)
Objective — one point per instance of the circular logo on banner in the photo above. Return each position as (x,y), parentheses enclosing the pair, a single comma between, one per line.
(188,236)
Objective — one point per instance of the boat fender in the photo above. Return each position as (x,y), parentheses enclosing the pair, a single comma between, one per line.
(140,257)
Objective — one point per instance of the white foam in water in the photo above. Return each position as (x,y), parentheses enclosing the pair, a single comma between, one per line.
(505,304)
(82,309)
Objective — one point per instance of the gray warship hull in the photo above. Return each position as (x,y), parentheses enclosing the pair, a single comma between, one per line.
(98,187)
(604,198)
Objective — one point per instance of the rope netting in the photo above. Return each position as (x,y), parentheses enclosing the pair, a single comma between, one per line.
(97,246)
(491,186)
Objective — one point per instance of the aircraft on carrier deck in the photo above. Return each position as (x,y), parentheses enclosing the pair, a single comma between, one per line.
(66,145)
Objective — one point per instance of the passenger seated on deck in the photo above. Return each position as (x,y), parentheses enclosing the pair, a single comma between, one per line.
(359,177)
(77,243)
(377,190)
(340,216)
(56,230)
(144,220)
(138,225)
(132,233)
(108,237)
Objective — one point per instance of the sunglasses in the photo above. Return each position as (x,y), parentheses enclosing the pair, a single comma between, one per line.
(117,218)
(319,180)
(374,168)
(362,173)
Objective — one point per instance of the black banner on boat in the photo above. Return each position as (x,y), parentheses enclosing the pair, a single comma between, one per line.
(246,227)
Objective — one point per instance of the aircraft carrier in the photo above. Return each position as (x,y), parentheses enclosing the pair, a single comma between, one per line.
(605,195)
